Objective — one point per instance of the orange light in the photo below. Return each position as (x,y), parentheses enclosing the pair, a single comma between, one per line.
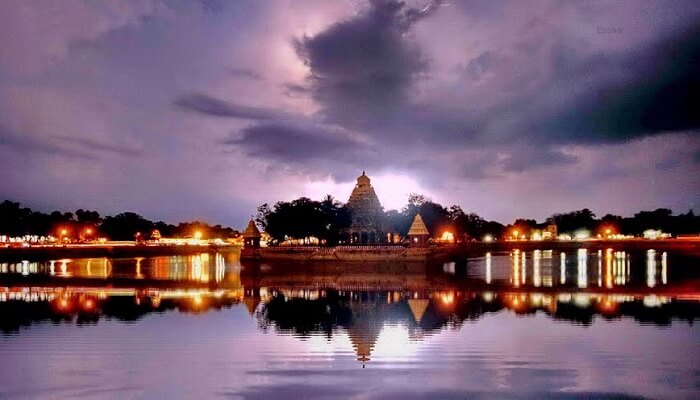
(63,304)
(448,236)
(88,231)
(64,232)
(447,298)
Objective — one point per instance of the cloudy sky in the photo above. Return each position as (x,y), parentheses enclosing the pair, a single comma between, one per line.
(205,109)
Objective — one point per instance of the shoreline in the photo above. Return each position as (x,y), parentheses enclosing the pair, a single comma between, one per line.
(383,253)
(395,253)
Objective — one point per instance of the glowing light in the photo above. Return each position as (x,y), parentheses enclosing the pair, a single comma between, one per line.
(651,268)
(664,267)
(198,235)
(536,274)
(562,267)
(488,267)
(608,306)
(447,298)
(582,234)
(448,236)
(488,238)
(394,342)
(582,268)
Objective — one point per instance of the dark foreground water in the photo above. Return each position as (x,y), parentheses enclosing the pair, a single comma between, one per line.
(512,325)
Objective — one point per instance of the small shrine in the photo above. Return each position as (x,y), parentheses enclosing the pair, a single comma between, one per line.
(251,236)
(418,234)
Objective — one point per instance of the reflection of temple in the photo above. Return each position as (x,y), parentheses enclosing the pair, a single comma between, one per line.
(364,329)
(366,225)
(363,315)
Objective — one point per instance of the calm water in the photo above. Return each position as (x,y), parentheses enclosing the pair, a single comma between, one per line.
(503,325)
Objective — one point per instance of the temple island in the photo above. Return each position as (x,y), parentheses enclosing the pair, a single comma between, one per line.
(366,239)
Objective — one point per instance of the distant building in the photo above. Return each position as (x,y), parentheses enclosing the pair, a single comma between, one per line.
(367,213)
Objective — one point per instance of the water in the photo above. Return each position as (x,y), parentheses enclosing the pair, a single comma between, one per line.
(501,325)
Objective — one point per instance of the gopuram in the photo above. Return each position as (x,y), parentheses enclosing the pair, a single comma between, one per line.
(367,212)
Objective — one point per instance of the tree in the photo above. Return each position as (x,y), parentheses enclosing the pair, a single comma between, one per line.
(126,225)
(575,220)
(303,218)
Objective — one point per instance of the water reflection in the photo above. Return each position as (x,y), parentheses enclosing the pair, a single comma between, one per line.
(203,267)
(604,269)
(327,297)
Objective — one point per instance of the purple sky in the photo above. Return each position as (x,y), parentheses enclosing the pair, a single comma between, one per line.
(205,109)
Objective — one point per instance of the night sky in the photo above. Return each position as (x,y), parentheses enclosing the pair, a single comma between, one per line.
(205,109)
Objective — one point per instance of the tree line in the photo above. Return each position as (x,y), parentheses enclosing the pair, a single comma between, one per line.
(16,220)
(327,219)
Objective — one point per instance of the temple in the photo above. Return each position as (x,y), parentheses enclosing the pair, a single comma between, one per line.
(367,212)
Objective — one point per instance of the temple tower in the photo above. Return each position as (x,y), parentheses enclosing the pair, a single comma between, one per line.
(367,213)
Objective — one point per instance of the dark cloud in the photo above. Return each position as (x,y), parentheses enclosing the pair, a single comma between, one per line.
(97,146)
(204,104)
(656,90)
(26,143)
(362,68)
(587,98)
(300,142)
(66,146)
(519,160)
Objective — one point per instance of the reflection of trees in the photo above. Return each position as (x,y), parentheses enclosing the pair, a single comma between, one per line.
(325,315)
(302,316)
(361,316)
(17,314)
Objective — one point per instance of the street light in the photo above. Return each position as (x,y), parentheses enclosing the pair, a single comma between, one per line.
(198,235)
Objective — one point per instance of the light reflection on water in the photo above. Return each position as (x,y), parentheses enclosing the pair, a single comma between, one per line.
(526,324)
